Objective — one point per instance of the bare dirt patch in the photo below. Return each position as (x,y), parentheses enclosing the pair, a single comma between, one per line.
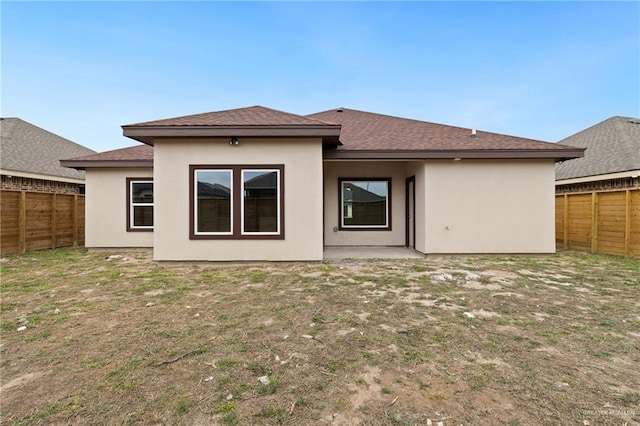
(458,340)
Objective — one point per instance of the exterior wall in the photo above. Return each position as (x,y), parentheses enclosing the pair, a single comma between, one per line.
(106,208)
(396,170)
(476,206)
(417,169)
(21,183)
(596,184)
(302,161)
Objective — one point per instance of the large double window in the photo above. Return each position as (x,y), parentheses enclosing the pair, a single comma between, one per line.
(237,202)
(139,204)
(365,204)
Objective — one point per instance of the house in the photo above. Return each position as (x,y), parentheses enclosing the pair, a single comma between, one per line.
(612,159)
(598,195)
(30,159)
(260,184)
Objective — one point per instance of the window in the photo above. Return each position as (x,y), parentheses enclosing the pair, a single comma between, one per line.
(213,205)
(365,204)
(140,204)
(237,202)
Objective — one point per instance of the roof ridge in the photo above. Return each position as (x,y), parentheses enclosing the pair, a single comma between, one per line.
(627,140)
(28,123)
(292,114)
(599,123)
(433,123)
(231,110)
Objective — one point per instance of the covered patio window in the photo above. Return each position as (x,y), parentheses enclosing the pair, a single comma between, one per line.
(365,204)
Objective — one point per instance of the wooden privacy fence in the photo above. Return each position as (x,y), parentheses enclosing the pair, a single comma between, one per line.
(38,220)
(599,221)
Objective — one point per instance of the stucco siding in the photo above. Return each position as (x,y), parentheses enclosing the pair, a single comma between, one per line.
(302,160)
(366,169)
(417,169)
(106,208)
(489,206)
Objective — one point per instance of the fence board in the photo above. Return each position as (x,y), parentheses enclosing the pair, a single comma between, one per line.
(35,220)
(9,221)
(599,221)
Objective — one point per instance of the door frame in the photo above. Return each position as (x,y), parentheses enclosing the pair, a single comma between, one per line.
(410,202)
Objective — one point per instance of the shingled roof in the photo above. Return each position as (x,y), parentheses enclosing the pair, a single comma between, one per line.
(135,156)
(352,134)
(386,136)
(255,121)
(613,146)
(29,149)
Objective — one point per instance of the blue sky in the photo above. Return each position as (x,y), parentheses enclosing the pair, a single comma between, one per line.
(542,70)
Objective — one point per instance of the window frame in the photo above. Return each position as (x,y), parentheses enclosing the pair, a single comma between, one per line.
(342,226)
(131,205)
(237,202)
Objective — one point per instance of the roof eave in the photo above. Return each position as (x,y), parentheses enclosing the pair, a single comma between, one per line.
(86,164)
(147,134)
(555,154)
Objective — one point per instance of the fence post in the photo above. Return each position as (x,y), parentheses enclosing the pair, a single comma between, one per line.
(22,222)
(75,220)
(627,223)
(594,222)
(565,230)
(54,200)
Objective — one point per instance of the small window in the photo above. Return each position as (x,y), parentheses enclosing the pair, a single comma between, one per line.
(365,204)
(140,204)
(237,202)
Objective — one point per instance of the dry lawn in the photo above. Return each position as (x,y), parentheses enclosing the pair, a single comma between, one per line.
(458,340)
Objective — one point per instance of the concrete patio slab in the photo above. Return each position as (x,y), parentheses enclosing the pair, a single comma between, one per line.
(334,253)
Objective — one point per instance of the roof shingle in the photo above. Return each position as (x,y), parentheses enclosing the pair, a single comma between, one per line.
(358,131)
(613,145)
(370,131)
(28,148)
(250,116)
(135,156)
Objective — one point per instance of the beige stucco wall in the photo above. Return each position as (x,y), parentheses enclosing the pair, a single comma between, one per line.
(396,170)
(489,206)
(106,208)
(302,161)
(417,169)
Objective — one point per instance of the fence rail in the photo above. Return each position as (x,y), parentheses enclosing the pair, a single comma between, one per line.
(37,220)
(599,221)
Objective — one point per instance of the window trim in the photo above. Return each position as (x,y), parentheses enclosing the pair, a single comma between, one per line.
(237,203)
(130,205)
(342,226)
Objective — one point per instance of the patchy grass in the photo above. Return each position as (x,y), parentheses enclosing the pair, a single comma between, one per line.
(466,340)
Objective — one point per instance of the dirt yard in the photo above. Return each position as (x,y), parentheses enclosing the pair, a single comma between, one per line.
(115,338)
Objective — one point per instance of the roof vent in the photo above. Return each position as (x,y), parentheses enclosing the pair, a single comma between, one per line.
(340,109)
(474,135)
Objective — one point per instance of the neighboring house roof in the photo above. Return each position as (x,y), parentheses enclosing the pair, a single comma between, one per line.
(250,121)
(383,136)
(263,181)
(361,195)
(25,148)
(346,134)
(215,190)
(613,146)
